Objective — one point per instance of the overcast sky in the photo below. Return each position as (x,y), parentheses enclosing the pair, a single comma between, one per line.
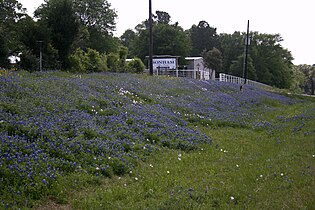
(293,20)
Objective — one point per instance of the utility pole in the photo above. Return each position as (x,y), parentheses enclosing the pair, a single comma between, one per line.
(247,43)
(151,39)
(40,56)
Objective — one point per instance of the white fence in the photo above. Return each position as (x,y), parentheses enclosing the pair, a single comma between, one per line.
(190,73)
(239,80)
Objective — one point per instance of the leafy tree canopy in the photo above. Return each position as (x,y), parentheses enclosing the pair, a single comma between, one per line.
(203,37)
(212,59)
(96,14)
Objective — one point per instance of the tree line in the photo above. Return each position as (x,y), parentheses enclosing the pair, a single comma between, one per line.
(77,35)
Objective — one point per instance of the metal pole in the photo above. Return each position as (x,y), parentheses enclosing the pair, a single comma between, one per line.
(150,39)
(40,56)
(247,42)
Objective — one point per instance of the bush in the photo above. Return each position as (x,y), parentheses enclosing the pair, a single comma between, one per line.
(113,62)
(135,66)
(87,62)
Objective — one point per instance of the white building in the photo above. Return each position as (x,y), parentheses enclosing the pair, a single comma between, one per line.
(196,65)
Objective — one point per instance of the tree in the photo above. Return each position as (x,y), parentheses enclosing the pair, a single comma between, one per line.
(162,17)
(127,40)
(309,78)
(168,39)
(272,62)
(97,22)
(203,37)
(299,79)
(231,46)
(4,51)
(30,33)
(212,60)
(60,18)
(237,67)
(96,14)
(11,11)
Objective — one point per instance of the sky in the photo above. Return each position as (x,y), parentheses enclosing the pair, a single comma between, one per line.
(293,20)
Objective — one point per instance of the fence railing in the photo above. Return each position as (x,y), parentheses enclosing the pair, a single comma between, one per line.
(239,80)
(190,73)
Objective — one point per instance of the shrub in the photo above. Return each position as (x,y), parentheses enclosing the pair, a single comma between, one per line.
(113,62)
(135,66)
(87,62)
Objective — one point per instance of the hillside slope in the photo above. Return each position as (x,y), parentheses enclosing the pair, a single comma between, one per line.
(53,124)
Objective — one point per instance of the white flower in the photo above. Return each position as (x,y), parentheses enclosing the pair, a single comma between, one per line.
(313,155)
(168,172)
(232,198)
(136,178)
(151,165)
(130,172)
(261,175)
(237,166)
(97,168)
(281,174)
(109,158)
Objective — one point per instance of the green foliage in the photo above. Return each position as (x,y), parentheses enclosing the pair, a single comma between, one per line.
(127,40)
(231,46)
(203,38)
(212,59)
(162,17)
(30,33)
(113,62)
(87,62)
(237,68)
(270,61)
(11,11)
(4,51)
(61,19)
(96,14)
(305,78)
(169,39)
(135,66)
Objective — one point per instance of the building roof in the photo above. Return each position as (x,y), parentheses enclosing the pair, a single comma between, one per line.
(163,56)
(193,58)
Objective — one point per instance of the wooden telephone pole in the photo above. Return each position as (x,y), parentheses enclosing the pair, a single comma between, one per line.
(247,43)
(151,39)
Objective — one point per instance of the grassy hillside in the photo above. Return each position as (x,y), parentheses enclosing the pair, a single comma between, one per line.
(123,141)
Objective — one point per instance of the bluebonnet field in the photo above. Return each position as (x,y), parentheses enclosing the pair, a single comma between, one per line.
(53,124)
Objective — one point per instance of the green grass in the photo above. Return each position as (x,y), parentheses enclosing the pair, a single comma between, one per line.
(244,168)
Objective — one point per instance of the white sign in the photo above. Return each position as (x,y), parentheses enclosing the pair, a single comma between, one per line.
(164,63)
